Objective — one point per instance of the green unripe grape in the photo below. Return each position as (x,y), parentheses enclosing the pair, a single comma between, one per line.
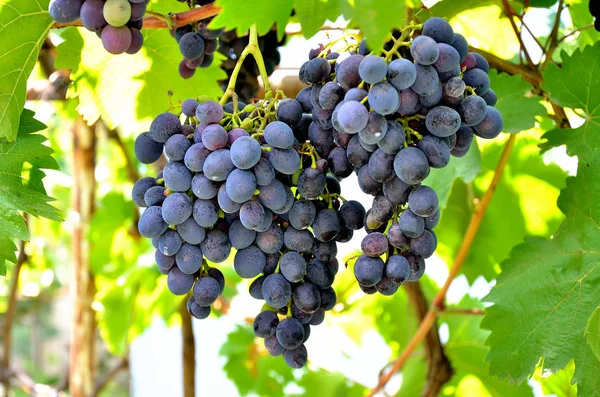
(117,12)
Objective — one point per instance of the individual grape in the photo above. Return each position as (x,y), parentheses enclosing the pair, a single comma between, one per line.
(151,223)
(338,163)
(216,246)
(442,121)
(491,126)
(249,262)
(307,298)
(164,126)
(330,95)
(433,99)
(317,70)
(116,40)
(189,258)
(352,214)
(290,333)
(286,161)
(423,201)
(251,214)
(177,176)
(137,41)
(154,196)
(225,203)
(206,291)
(302,214)
(480,62)
(303,99)
(320,273)
(372,69)
(384,98)
(287,206)
(417,267)
(205,213)
(240,185)
(293,266)
(325,251)
(427,80)
(374,244)
(321,139)
(271,240)
(464,138)
(239,236)
(424,245)
(317,317)
(264,172)
(273,346)
(490,97)
(356,154)
(398,239)
(393,141)
(375,130)
(273,195)
(176,146)
(197,311)
(355,94)
(218,165)
(195,157)
(448,58)
(409,102)
(140,188)
(411,165)
(381,166)
(397,269)
(386,287)
(472,110)
(366,182)
(311,183)
(432,220)
(461,46)
(117,12)
(289,111)
(236,134)
(439,30)
(65,11)
(368,271)
(276,290)
(188,107)
(214,137)
(424,50)
(301,316)
(191,232)
(210,112)
(178,282)
(382,209)
(436,151)
(396,191)
(272,263)
(203,187)
(326,225)
(279,135)
(298,240)
(191,45)
(328,298)
(411,225)
(322,117)
(164,263)
(478,79)
(401,73)
(255,289)
(450,141)
(265,324)
(347,71)
(92,16)
(146,149)
(169,242)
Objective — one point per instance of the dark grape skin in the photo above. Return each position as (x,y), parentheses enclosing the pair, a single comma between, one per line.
(375,130)
(394,138)
(147,150)
(439,30)
(490,97)
(116,40)
(398,239)
(424,245)
(206,291)
(279,135)
(461,46)
(411,224)
(436,151)
(442,121)
(366,182)
(176,208)
(249,262)
(191,232)
(352,214)
(140,188)
(216,246)
(290,333)
(381,166)
(357,155)
(347,72)
(255,289)
(423,201)
(271,240)
(286,161)
(372,69)
(411,165)
(276,290)
(374,244)
(307,298)
(478,79)
(311,183)
(298,240)
(169,243)
(91,15)
(397,268)
(317,70)
(252,214)
(289,111)
(303,99)
(448,60)
(273,346)
(330,95)
(427,80)
(368,271)
(302,214)
(317,317)
(491,126)
(178,282)
(326,225)
(239,236)
(424,50)
(265,324)
(65,11)
(293,266)
(396,191)
(320,273)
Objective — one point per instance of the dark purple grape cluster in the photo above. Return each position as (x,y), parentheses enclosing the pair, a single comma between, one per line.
(390,121)
(116,22)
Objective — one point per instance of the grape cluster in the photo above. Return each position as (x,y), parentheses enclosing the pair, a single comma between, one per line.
(390,120)
(595,11)
(197,43)
(116,22)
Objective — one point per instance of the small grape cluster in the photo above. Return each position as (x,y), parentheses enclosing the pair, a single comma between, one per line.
(197,43)
(116,22)
(391,119)
(594,7)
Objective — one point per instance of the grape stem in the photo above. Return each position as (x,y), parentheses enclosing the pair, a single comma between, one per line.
(251,49)
(168,19)
(437,304)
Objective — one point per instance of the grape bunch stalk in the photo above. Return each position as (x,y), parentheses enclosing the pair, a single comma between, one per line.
(263,179)
(116,22)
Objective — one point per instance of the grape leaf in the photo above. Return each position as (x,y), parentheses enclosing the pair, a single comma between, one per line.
(592,332)
(580,15)
(375,18)
(241,15)
(313,14)
(130,90)
(518,110)
(23,27)
(548,288)
(20,189)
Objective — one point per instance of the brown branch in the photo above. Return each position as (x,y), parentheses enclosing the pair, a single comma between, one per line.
(552,42)
(179,19)
(510,13)
(188,351)
(440,371)
(122,364)
(472,312)
(9,317)
(464,249)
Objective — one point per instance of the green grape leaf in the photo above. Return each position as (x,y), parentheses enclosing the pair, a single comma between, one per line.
(592,332)
(465,168)
(130,90)
(23,27)
(330,384)
(241,15)
(548,288)
(539,3)
(313,14)
(559,383)
(580,16)
(20,187)
(518,110)
(375,18)
(449,8)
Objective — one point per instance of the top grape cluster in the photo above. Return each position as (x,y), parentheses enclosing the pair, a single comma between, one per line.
(116,22)
(263,179)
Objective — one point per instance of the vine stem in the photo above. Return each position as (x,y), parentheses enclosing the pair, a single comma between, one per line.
(464,249)
(159,22)
(251,49)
